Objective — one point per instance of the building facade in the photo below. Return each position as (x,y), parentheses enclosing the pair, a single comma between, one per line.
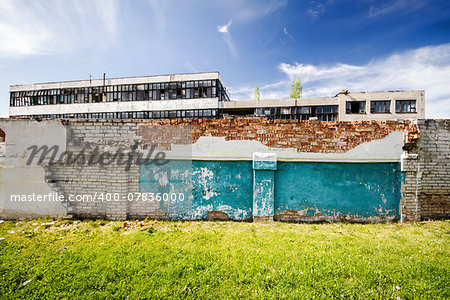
(198,95)
(151,97)
(380,106)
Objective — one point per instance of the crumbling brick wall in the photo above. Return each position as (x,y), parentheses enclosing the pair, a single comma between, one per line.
(426,191)
(100,181)
(305,136)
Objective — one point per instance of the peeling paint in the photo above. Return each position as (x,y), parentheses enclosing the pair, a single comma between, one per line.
(212,186)
(338,189)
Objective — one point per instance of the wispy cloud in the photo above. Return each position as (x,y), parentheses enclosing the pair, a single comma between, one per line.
(396,6)
(318,8)
(257,9)
(224,29)
(285,31)
(244,12)
(316,11)
(51,26)
(274,90)
(426,68)
(159,9)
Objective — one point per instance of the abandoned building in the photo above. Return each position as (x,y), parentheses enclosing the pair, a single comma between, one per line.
(198,95)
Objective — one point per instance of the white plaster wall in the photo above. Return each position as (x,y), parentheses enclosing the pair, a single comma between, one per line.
(16,178)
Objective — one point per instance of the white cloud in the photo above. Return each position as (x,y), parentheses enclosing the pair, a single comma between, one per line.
(397,6)
(319,8)
(269,91)
(224,29)
(426,68)
(52,26)
(316,11)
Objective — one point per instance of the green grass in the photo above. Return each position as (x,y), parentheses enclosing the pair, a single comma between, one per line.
(224,260)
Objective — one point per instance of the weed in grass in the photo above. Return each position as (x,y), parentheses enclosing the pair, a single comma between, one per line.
(115,227)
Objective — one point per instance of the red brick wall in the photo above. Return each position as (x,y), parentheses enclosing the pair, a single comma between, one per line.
(305,136)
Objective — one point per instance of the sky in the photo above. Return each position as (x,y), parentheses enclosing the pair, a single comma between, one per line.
(358,45)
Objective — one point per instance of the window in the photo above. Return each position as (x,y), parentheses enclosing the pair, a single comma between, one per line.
(405,106)
(305,110)
(285,111)
(380,107)
(355,107)
(141,94)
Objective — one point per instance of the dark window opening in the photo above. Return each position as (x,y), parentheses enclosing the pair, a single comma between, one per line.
(2,136)
(355,107)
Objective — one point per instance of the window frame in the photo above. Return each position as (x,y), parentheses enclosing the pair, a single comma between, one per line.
(387,106)
(398,104)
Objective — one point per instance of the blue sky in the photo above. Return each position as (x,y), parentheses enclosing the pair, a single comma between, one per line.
(360,45)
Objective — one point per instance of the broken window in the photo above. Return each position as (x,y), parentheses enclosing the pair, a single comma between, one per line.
(355,107)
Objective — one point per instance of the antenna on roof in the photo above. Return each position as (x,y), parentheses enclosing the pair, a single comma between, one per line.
(90,79)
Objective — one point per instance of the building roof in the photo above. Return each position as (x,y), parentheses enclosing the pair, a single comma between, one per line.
(117,81)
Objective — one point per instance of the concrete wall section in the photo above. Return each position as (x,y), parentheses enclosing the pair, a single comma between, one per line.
(337,191)
(210,189)
(21,183)
(122,106)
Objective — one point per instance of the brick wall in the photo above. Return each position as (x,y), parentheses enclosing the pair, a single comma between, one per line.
(305,136)
(426,191)
(98,181)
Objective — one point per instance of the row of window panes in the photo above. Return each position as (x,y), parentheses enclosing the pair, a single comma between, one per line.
(167,114)
(323,113)
(320,117)
(401,106)
(302,110)
(135,92)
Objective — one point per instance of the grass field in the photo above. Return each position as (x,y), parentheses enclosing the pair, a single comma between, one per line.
(155,259)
